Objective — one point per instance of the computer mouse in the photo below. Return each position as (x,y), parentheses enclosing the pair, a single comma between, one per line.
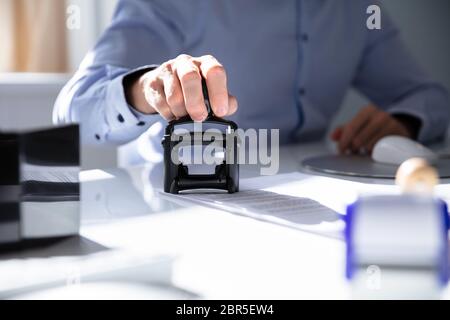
(397,149)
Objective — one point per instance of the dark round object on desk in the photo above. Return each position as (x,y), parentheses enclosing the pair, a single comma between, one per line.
(362,166)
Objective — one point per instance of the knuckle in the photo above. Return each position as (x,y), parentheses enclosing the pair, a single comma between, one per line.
(376,117)
(383,116)
(208,57)
(183,56)
(215,70)
(151,83)
(165,67)
(190,76)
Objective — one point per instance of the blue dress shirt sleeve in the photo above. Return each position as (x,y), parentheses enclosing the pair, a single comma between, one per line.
(139,34)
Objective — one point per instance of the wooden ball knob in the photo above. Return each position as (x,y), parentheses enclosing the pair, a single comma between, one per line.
(417,176)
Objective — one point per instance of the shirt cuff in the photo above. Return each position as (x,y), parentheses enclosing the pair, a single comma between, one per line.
(125,123)
(424,106)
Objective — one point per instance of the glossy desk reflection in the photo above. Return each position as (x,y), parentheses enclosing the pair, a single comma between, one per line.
(220,255)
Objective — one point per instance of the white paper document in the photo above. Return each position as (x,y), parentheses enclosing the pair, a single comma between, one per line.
(302,213)
(291,200)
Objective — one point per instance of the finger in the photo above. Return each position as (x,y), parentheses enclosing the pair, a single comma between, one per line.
(376,124)
(191,85)
(336,134)
(166,113)
(352,128)
(162,107)
(174,94)
(232,105)
(154,94)
(216,81)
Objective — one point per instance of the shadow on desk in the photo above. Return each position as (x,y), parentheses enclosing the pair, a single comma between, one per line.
(116,193)
(45,248)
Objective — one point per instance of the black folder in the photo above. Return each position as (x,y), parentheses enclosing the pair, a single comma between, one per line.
(39,184)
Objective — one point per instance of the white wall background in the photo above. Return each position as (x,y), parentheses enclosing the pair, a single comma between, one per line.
(95,16)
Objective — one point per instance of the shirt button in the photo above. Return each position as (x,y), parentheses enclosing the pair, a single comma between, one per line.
(97,136)
(120,118)
(302,91)
(305,37)
(141,123)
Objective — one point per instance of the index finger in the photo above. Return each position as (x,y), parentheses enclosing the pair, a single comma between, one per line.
(353,127)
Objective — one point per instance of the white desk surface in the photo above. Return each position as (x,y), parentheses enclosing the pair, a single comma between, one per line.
(218,255)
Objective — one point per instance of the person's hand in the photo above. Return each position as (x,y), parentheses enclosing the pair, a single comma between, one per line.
(174,89)
(366,128)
